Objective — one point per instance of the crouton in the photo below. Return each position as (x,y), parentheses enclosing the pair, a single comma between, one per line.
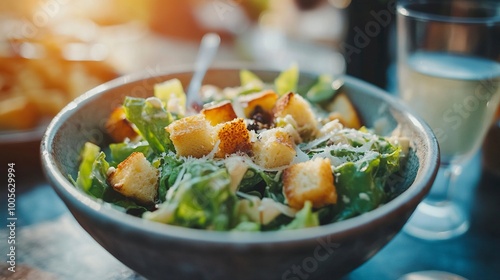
(118,127)
(233,137)
(192,136)
(273,148)
(136,178)
(309,181)
(219,113)
(264,99)
(296,106)
(341,108)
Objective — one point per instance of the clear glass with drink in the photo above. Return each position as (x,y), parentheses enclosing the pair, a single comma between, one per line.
(449,74)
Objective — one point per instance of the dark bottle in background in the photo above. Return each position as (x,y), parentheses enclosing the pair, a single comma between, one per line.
(491,148)
(368,47)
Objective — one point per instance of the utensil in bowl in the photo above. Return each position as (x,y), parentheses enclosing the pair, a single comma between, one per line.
(208,48)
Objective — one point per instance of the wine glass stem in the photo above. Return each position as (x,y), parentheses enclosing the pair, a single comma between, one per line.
(443,188)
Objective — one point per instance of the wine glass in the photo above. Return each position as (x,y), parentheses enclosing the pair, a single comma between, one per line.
(449,74)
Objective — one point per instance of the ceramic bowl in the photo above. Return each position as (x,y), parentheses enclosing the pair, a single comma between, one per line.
(159,251)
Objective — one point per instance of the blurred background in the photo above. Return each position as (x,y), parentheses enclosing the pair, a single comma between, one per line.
(51,51)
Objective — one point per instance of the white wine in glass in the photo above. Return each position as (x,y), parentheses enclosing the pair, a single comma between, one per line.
(449,74)
(457,95)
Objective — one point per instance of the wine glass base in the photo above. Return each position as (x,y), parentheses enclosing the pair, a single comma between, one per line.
(431,275)
(440,221)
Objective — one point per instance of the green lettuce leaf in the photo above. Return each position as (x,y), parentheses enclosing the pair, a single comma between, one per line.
(169,172)
(250,82)
(88,155)
(172,94)
(358,188)
(201,198)
(274,186)
(92,179)
(151,120)
(252,183)
(287,80)
(205,202)
(390,159)
(322,90)
(278,223)
(304,218)
(120,151)
(244,223)
(247,226)
(99,176)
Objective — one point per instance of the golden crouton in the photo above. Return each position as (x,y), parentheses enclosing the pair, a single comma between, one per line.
(118,127)
(274,148)
(341,108)
(136,178)
(309,181)
(264,99)
(219,113)
(234,137)
(296,106)
(192,136)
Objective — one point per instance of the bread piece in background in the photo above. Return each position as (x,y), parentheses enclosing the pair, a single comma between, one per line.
(44,85)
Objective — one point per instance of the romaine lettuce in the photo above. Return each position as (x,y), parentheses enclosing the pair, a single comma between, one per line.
(201,198)
(250,82)
(92,179)
(120,151)
(287,80)
(171,93)
(205,202)
(88,155)
(151,120)
(321,90)
(364,167)
(358,188)
(304,218)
